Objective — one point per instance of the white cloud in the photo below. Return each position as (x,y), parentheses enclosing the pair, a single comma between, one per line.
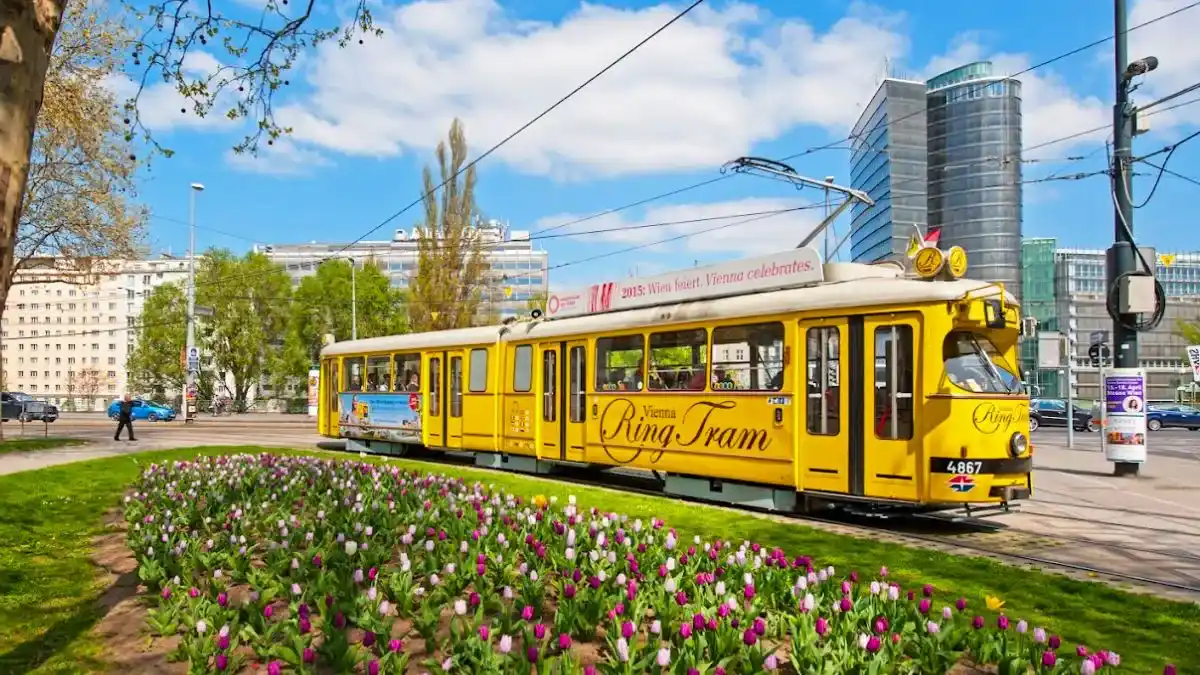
(703,92)
(683,242)
(160,105)
(283,158)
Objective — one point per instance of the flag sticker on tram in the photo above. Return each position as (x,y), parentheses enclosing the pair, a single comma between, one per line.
(962,483)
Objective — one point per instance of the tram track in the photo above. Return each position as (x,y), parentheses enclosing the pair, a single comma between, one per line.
(864,526)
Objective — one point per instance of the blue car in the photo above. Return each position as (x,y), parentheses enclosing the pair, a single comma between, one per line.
(1172,416)
(144,410)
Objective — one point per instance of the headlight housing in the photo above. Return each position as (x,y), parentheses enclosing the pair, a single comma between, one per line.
(1018,444)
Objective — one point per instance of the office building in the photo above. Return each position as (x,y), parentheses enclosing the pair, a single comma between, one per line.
(517,272)
(970,124)
(1075,305)
(888,162)
(67,334)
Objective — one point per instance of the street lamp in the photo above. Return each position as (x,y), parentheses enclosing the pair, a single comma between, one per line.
(189,406)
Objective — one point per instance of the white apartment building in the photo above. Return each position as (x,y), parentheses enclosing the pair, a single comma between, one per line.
(66,335)
(517,271)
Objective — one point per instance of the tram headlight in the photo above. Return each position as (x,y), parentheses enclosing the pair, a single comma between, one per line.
(1018,444)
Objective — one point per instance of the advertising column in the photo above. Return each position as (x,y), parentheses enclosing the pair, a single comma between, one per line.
(1125,415)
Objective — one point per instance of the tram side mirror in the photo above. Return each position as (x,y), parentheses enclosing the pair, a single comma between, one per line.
(536,313)
(993,314)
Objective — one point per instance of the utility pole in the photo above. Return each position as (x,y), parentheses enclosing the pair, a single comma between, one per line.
(193,365)
(828,182)
(1122,259)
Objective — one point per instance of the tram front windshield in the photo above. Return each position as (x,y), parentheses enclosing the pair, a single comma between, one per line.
(973,363)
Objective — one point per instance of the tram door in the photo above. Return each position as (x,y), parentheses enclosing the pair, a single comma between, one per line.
(828,460)
(435,406)
(454,401)
(574,405)
(550,409)
(892,458)
(329,384)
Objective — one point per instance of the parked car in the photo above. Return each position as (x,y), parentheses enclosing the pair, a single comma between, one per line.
(144,410)
(17,405)
(1172,416)
(1052,412)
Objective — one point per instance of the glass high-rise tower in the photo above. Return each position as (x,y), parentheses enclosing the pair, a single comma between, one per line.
(971,156)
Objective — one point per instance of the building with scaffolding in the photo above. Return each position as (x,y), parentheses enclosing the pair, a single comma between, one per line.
(1066,293)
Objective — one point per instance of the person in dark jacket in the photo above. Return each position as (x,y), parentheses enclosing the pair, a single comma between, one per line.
(125,418)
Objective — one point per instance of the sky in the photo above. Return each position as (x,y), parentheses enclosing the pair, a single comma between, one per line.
(772,79)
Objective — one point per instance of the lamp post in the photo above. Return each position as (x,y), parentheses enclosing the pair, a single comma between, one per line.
(353,300)
(189,405)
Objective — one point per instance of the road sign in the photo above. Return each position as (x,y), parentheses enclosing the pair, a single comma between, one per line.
(1098,353)
(1193,354)
(1099,337)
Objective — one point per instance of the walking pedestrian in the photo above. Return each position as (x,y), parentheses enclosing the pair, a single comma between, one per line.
(125,418)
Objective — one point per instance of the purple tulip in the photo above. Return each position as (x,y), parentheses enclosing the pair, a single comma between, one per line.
(539,631)
(873,644)
(527,612)
(822,626)
(222,599)
(925,605)
(368,639)
(977,622)
(569,591)
(193,592)
(339,620)
(484,632)
(274,668)
(1055,642)
(223,642)
(1002,622)
(927,590)
(1169,669)
(685,630)
(759,626)
(627,630)
(564,641)
(1049,659)
(749,638)
(532,654)
(961,604)
(845,604)
(373,667)
(268,611)
(166,594)
(223,662)
(395,646)
(305,626)
(303,611)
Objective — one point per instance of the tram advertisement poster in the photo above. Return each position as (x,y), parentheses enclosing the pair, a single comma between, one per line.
(314,391)
(1125,415)
(381,417)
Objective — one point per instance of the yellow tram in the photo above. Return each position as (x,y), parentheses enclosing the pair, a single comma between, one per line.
(774,382)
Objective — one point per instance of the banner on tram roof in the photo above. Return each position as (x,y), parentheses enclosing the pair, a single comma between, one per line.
(797,267)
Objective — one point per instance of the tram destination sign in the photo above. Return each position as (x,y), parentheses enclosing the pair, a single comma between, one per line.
(795,267)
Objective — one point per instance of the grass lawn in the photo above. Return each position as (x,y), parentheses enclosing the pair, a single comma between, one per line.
(47,596)
(39,443)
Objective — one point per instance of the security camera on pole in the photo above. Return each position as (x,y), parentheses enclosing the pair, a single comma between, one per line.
(193,354)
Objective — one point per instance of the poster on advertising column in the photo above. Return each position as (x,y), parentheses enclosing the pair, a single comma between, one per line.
(314,391)
(1125,415)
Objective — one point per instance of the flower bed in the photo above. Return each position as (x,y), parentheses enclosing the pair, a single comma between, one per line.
(305,564)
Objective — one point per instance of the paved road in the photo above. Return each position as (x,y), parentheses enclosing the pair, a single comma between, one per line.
(293,431)
(1178,443)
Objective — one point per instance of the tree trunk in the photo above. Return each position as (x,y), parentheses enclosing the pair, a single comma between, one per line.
(27,32)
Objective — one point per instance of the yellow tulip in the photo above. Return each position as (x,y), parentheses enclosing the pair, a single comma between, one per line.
(994,603)
(539,501)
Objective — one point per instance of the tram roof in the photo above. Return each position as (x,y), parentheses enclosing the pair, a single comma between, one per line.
(846,285)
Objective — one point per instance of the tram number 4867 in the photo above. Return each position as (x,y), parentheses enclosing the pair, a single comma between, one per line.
(962,467)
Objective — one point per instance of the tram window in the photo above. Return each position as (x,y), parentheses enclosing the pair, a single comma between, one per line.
(378,376)
(679,360)
(479,378)
(619,362)
(523,369)
(435,387)
(894,382)
(550,386)
(748,358)
(407,372)
(973,363)
(578,394)
(456,386)
(354,374)
(823,365)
